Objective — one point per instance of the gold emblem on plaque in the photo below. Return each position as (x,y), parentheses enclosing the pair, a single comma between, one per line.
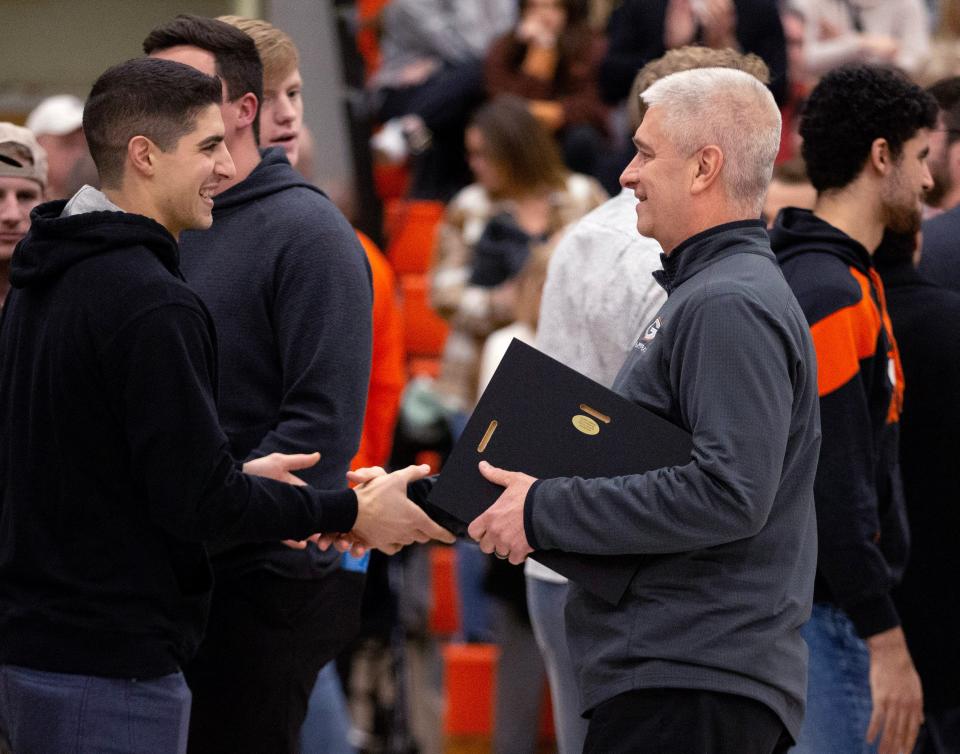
(586,425)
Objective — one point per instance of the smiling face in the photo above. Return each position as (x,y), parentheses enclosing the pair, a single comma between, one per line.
(660,180)
(905,189)
(188,175)
(18,196)
(281,115)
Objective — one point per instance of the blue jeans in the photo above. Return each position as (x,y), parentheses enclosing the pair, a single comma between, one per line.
(475,619)
(545,602)
(49,713)
(838,686)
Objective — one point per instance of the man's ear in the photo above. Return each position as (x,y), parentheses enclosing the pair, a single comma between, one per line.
(141,152)
(247,108)
(708,165)
(880,156)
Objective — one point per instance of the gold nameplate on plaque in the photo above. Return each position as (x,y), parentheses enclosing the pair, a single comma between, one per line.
(586,425)
(486,436)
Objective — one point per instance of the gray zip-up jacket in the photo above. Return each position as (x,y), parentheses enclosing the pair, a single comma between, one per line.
(729,539)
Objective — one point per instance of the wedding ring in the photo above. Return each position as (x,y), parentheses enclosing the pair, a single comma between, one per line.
(502,557)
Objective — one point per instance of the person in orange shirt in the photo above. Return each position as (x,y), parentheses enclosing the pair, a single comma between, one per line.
(388,372)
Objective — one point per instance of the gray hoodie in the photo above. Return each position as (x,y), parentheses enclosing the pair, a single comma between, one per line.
(728,539)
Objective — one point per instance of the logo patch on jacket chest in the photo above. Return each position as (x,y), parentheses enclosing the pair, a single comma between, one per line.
(648,335)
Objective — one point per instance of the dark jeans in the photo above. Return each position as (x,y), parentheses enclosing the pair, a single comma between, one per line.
(267,639)
(49,713)
(684,721)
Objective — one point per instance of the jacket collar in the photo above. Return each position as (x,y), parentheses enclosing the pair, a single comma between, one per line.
(709,246)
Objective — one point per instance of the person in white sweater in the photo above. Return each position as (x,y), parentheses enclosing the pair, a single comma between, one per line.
(873,31)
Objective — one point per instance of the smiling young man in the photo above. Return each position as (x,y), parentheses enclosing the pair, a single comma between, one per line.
(865,136)
(23,177)
(703,653)
(113,467)
(288,286)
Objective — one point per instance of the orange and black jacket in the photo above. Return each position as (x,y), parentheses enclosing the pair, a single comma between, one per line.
(861,519)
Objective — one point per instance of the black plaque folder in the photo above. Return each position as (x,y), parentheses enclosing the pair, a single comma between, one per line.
(540,417)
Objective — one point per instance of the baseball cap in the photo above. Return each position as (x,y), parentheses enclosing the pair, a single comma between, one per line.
(57,115)
(20,154)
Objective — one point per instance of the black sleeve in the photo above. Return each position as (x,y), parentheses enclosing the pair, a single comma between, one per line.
(164,362)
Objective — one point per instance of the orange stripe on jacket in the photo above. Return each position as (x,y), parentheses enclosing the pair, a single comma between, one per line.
(849,335)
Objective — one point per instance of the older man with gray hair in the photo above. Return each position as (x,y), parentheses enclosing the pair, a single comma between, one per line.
(704,651)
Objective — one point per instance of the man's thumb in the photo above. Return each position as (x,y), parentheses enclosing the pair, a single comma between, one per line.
(495,475)
(300,460)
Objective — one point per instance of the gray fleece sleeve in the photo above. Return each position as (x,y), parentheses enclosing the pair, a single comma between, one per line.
(730,367)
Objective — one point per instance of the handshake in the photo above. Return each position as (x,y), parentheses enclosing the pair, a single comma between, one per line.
(386,519)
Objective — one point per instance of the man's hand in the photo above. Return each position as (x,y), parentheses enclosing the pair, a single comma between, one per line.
(278,466)
(386,519)
(897,695)
(499,529)
(359,476)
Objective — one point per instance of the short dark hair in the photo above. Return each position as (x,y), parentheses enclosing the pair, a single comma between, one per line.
(148,97)
(947,94)
(852,106)
(235,52)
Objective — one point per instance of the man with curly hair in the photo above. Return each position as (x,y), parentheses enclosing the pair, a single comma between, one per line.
(866,140)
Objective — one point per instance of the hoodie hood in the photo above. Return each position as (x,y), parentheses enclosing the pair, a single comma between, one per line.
(55,243)
(273,174)
(797,231)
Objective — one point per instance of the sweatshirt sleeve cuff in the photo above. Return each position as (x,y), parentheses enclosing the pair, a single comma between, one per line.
(873,616)
(338,511)
(528,515)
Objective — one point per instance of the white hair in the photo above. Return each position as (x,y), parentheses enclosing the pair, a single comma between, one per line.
(730,109)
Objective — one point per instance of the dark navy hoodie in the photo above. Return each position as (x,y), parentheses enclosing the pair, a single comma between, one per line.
(288,286)
(113,467)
